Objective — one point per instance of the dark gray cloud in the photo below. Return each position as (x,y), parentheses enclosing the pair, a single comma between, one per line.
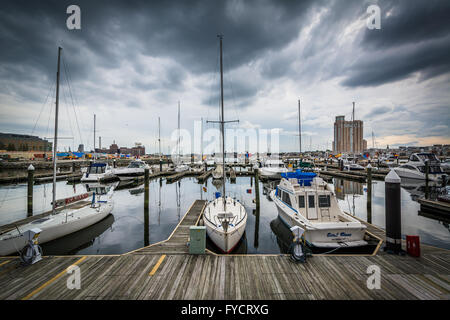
(414,38)
(144,56)
(376,112)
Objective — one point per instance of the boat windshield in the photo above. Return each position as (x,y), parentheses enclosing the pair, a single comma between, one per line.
(431,170)
(134,165)
(428,156)
(97,169)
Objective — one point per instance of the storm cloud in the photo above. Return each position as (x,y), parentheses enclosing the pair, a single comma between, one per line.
(132,61)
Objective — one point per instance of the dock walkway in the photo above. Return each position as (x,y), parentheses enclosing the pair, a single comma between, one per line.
(166,271)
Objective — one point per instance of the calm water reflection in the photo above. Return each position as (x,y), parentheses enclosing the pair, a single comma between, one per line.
(131,226)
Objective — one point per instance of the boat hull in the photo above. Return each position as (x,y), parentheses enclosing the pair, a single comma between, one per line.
(55,229)
(331,237)
(411,174)
(226,241)
(270,173)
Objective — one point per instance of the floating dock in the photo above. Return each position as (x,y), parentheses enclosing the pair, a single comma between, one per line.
(435,206)
(165,270)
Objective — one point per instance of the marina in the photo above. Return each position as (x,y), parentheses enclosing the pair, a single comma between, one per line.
(144,274)
(224,155)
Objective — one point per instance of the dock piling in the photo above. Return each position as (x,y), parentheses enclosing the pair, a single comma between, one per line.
(256,190)
(369,193)
(30,190)
(257,210)
(393,213)
(427,172)
(146,207)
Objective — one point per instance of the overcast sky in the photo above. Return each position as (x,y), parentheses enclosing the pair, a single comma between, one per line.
(132,61)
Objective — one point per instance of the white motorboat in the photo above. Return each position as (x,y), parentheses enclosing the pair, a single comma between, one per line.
(415,168)
(63,221)
(182,168)
(352,166)
(306,201)
(225,218)
(98,171)
(135,168)
(60,224)
(445,165)
(273,168)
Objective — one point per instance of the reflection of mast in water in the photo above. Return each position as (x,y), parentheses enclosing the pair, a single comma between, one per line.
(159,202)
(178,194)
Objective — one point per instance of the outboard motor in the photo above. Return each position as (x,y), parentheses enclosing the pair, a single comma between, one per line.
(298,253)
(32,252)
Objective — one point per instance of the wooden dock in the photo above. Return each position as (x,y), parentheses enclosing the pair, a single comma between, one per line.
(165,270)
(435,206)
(204,176)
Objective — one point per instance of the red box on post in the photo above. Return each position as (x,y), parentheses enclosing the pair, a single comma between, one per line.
(413,246)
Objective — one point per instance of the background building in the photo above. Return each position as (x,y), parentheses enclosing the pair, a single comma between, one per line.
(344,141)
(23,142)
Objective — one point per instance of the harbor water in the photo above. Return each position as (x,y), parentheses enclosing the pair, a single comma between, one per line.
(126,228)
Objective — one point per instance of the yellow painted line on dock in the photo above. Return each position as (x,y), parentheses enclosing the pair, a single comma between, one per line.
(155,268)
(59,275)
(3,263)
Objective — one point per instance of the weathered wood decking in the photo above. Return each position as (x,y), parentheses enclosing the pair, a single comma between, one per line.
(166,271)
(177,241)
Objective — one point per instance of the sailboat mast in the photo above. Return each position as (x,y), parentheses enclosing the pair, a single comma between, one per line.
(178,143)
(56,132)
(201,140)
(353,132)
(299,129)
(222,120)
(159,136)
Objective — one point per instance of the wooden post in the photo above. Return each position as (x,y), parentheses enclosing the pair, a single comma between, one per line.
(114,163)
(256,189)
(146,207)
(427,172)
(30,191)
(393,213)
(160,164)
(73,167)
(369,193)
(257,210)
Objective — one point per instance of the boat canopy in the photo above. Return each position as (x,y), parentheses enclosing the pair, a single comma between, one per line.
(98,165)
(303,178)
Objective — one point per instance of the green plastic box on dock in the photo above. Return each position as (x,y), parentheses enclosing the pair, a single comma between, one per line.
(197,243)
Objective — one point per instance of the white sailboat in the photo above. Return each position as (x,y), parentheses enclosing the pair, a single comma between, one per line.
(273,168)
(218,172)
(225,218)
(65,221)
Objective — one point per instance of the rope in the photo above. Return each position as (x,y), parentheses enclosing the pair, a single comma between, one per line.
(42,108)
